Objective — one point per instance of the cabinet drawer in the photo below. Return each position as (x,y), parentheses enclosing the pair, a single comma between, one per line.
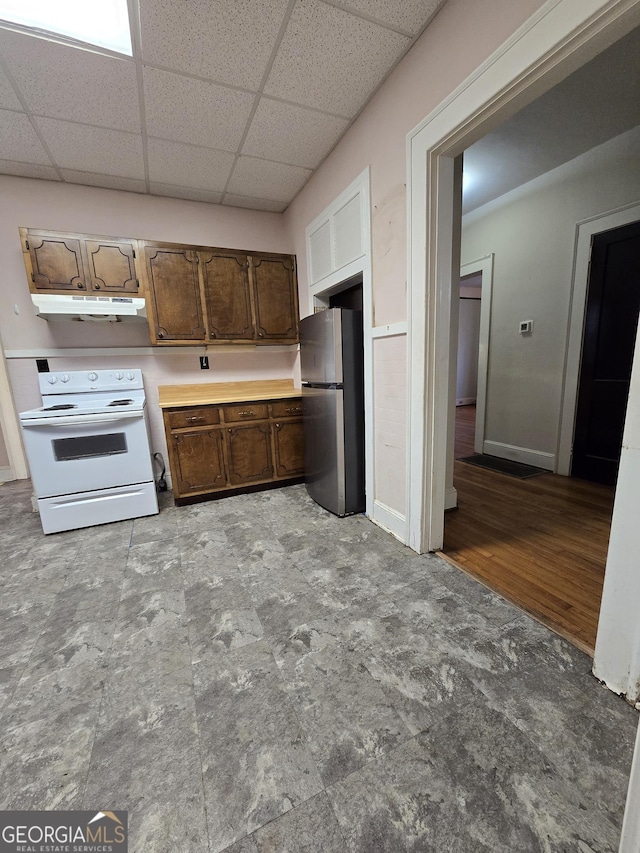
(287,408)
(246,412)
(201,416)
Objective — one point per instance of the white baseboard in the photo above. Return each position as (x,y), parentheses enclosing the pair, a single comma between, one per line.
(465,401)
(6,474)
(390,520)
(450,498)
(520,454)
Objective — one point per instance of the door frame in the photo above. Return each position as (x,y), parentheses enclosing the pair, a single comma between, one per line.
(483,265)
(585,231)
(556,40)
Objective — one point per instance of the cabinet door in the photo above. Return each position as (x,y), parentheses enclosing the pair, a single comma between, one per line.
(56,262)
(111,266)
(275,293)
(174,291)
(227,295)
(198,461)
(249,453)
(289,448)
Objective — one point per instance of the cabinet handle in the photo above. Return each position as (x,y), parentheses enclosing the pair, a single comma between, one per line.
(249,414)
(295,411)
(96,287)
(160,335)
(195,418)
(80,285)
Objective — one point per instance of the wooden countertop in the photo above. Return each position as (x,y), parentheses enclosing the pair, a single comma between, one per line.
(171,396)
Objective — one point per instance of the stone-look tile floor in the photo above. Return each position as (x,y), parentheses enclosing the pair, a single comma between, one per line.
(254,674)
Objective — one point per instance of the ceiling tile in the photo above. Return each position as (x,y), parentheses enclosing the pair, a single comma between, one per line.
(28,170)
(111,182)
(187,193)
(72,84)
(225,40)
(254,203)
(19,141)
(264,179)
(292,134)
(188,110)
(93,149)
(332,60)
(188,165)
(410,15)
(8,98)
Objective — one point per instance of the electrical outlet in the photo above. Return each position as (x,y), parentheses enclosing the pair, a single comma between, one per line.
(204,362)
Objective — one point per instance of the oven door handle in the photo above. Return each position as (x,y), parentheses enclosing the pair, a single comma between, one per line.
(81,420)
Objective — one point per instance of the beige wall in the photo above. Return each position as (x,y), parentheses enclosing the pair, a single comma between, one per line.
(531,232)
(462,35)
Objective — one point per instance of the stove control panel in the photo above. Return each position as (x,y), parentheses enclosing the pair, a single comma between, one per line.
(81,381)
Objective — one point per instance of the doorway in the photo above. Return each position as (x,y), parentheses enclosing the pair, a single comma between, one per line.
(611,320)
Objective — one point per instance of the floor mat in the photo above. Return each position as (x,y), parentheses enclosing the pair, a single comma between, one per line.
(503,466)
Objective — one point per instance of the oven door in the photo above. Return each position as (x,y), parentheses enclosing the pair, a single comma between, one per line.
(80,453)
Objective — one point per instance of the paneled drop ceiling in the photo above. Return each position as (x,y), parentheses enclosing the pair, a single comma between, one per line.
(227,101)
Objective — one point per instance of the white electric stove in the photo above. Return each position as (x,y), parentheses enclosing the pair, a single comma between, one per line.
(88,449)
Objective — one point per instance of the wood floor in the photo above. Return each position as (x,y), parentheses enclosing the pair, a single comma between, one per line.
(541,542)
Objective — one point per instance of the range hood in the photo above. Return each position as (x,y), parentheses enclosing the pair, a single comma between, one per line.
(101,309)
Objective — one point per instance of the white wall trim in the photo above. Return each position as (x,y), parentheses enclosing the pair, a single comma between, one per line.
(450,498)
(390,520)
(320,291)
(537,458)
(585,231)
(390,331)
(10,426)
(482,265)
(337,272)
(630,836)
(560,37)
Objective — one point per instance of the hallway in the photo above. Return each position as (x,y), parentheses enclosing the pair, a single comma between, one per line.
(540,542)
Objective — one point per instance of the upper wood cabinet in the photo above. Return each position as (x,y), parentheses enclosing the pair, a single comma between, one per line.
(59,263)
(174,293)
(227,295)
(213,295)
(275,293)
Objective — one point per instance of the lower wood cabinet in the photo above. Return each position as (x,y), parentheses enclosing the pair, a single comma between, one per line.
(234,447)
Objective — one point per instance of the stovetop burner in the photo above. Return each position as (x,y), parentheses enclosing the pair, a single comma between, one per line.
(127,402)
(59,407)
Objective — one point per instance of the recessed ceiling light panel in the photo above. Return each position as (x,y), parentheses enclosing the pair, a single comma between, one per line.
(104,23)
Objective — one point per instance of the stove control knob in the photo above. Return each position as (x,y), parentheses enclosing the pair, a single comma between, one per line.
(92,376)
(52,379)
(119,375)
(131,376)
(65,377)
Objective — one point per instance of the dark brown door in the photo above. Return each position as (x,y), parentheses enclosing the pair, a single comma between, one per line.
(613,305)
(227,295)
(249,453)
(276,297)
(112,266)
(289,448)
(175,293)
(200,461)
(56,263)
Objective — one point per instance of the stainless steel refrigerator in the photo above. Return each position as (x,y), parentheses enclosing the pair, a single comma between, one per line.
(331,358)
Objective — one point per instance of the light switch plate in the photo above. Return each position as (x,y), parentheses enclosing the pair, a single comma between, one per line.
(525,327)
